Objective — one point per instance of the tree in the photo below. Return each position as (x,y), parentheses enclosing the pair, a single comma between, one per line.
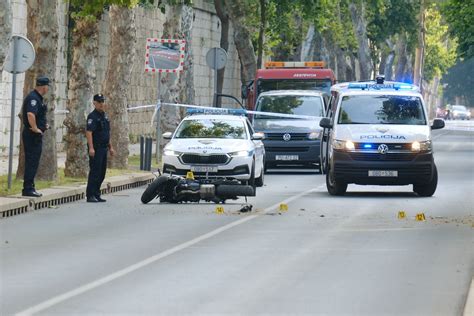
(460,16)
(117,79)
(223,15)
(5,29)
(43,32)
(242,39)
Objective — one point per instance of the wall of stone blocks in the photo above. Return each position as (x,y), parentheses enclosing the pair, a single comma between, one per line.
(143,87)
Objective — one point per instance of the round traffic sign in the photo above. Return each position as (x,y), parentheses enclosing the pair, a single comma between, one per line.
(216,58)
(21,55)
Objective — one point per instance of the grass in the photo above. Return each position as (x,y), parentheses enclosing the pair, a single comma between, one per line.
(17,184)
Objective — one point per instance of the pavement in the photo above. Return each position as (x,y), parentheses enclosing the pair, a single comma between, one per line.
(56,195)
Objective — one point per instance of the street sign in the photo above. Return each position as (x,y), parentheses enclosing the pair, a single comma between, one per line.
(21,55)
(216,58)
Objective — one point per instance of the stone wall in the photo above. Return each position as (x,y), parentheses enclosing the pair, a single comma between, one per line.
(143,87)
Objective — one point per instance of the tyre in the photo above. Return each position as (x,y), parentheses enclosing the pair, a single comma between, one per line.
(153,189)
(429,188)
(260,180)
(334,187)
(251,181)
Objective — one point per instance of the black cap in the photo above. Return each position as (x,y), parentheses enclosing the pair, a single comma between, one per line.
(99,97)
(42,81)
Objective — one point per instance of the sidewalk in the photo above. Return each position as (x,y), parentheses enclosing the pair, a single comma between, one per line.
(133,148)
(56,195)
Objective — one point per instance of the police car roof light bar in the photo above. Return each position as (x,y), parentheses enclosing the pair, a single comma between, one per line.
(218,111)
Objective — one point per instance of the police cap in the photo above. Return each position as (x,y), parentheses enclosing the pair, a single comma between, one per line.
(42,81)
(99,97)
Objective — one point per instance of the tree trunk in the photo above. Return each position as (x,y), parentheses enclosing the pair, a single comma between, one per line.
(243,41)
(81,90)
(117,80)
(42,31)
(402,58)
(389,60)
(187,77)
(261,32)
(169,86)
(224,43)
(5,30)
(360,29)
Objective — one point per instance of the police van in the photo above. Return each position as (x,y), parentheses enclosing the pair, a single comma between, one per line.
(378,133)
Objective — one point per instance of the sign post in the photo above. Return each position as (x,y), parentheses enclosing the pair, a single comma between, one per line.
(216,58)
(20,58)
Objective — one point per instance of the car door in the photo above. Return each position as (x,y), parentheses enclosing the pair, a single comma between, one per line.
(258,145)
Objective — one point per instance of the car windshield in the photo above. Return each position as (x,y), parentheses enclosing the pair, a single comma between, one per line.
(289,104)
(211,128)
(459,108)
(381,109)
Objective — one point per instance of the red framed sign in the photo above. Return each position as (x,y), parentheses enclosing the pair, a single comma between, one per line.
(164,55)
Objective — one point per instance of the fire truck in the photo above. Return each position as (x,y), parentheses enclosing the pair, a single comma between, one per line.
(284,75)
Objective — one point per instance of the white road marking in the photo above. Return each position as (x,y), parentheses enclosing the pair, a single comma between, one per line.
(111,277)
(469,308)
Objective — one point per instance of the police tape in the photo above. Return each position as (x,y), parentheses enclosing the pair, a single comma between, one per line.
(217,111)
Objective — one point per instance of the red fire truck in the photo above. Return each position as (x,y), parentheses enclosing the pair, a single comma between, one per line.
(280,75)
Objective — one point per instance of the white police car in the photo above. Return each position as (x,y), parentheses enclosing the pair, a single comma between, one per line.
(216,145)
(378,133)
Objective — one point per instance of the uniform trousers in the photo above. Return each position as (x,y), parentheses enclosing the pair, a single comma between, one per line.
(33,145)
(98,167)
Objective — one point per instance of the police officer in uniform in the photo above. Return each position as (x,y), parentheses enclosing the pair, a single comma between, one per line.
(34,123)
(98,144)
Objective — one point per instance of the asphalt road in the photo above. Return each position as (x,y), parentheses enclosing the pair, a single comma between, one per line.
(326,255)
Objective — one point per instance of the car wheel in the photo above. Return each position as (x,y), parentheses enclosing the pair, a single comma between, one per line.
(334,187)
(154,189)
(251,181)
(429,188)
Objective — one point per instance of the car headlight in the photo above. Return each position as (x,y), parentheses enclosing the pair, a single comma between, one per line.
(421,146)
(241,153)
(168,152)
(314,135)
(343,145)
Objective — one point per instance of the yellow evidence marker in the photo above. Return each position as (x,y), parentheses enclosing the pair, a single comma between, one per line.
(189,175)
(402,215)
(219,210)
(420,217)
(283,207)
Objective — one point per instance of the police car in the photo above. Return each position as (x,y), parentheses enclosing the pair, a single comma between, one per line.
(378,133)
(216,145)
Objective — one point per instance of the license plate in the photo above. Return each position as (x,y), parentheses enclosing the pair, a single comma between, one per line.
(203,169)
(287,157)
(383,173)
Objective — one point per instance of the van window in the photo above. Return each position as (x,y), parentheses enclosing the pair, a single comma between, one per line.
(290,104)
(381,109)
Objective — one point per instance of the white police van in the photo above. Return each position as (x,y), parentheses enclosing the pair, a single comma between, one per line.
(378,133)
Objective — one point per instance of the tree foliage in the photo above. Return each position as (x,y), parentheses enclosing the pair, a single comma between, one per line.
(440,50)
(460,16)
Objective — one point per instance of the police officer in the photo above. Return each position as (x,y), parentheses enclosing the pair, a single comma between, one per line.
(98,143)
(34,123)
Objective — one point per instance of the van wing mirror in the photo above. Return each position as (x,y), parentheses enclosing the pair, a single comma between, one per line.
(437,123)
(258,136)
(244,91)
(325,122)
(167,135)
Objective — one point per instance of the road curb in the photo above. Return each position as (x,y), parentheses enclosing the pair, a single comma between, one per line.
(57,195)
(469,307)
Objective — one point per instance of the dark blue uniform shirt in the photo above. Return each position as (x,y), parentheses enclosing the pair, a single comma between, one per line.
(34,103)
(98,123)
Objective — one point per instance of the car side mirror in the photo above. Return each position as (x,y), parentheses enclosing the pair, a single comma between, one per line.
(258,136)
(244,91)
(437,123)
(167,135)
(325,122)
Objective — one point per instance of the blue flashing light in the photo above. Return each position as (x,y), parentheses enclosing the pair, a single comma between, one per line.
(404,86)
(216,111)
(368,146)
(354,85)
